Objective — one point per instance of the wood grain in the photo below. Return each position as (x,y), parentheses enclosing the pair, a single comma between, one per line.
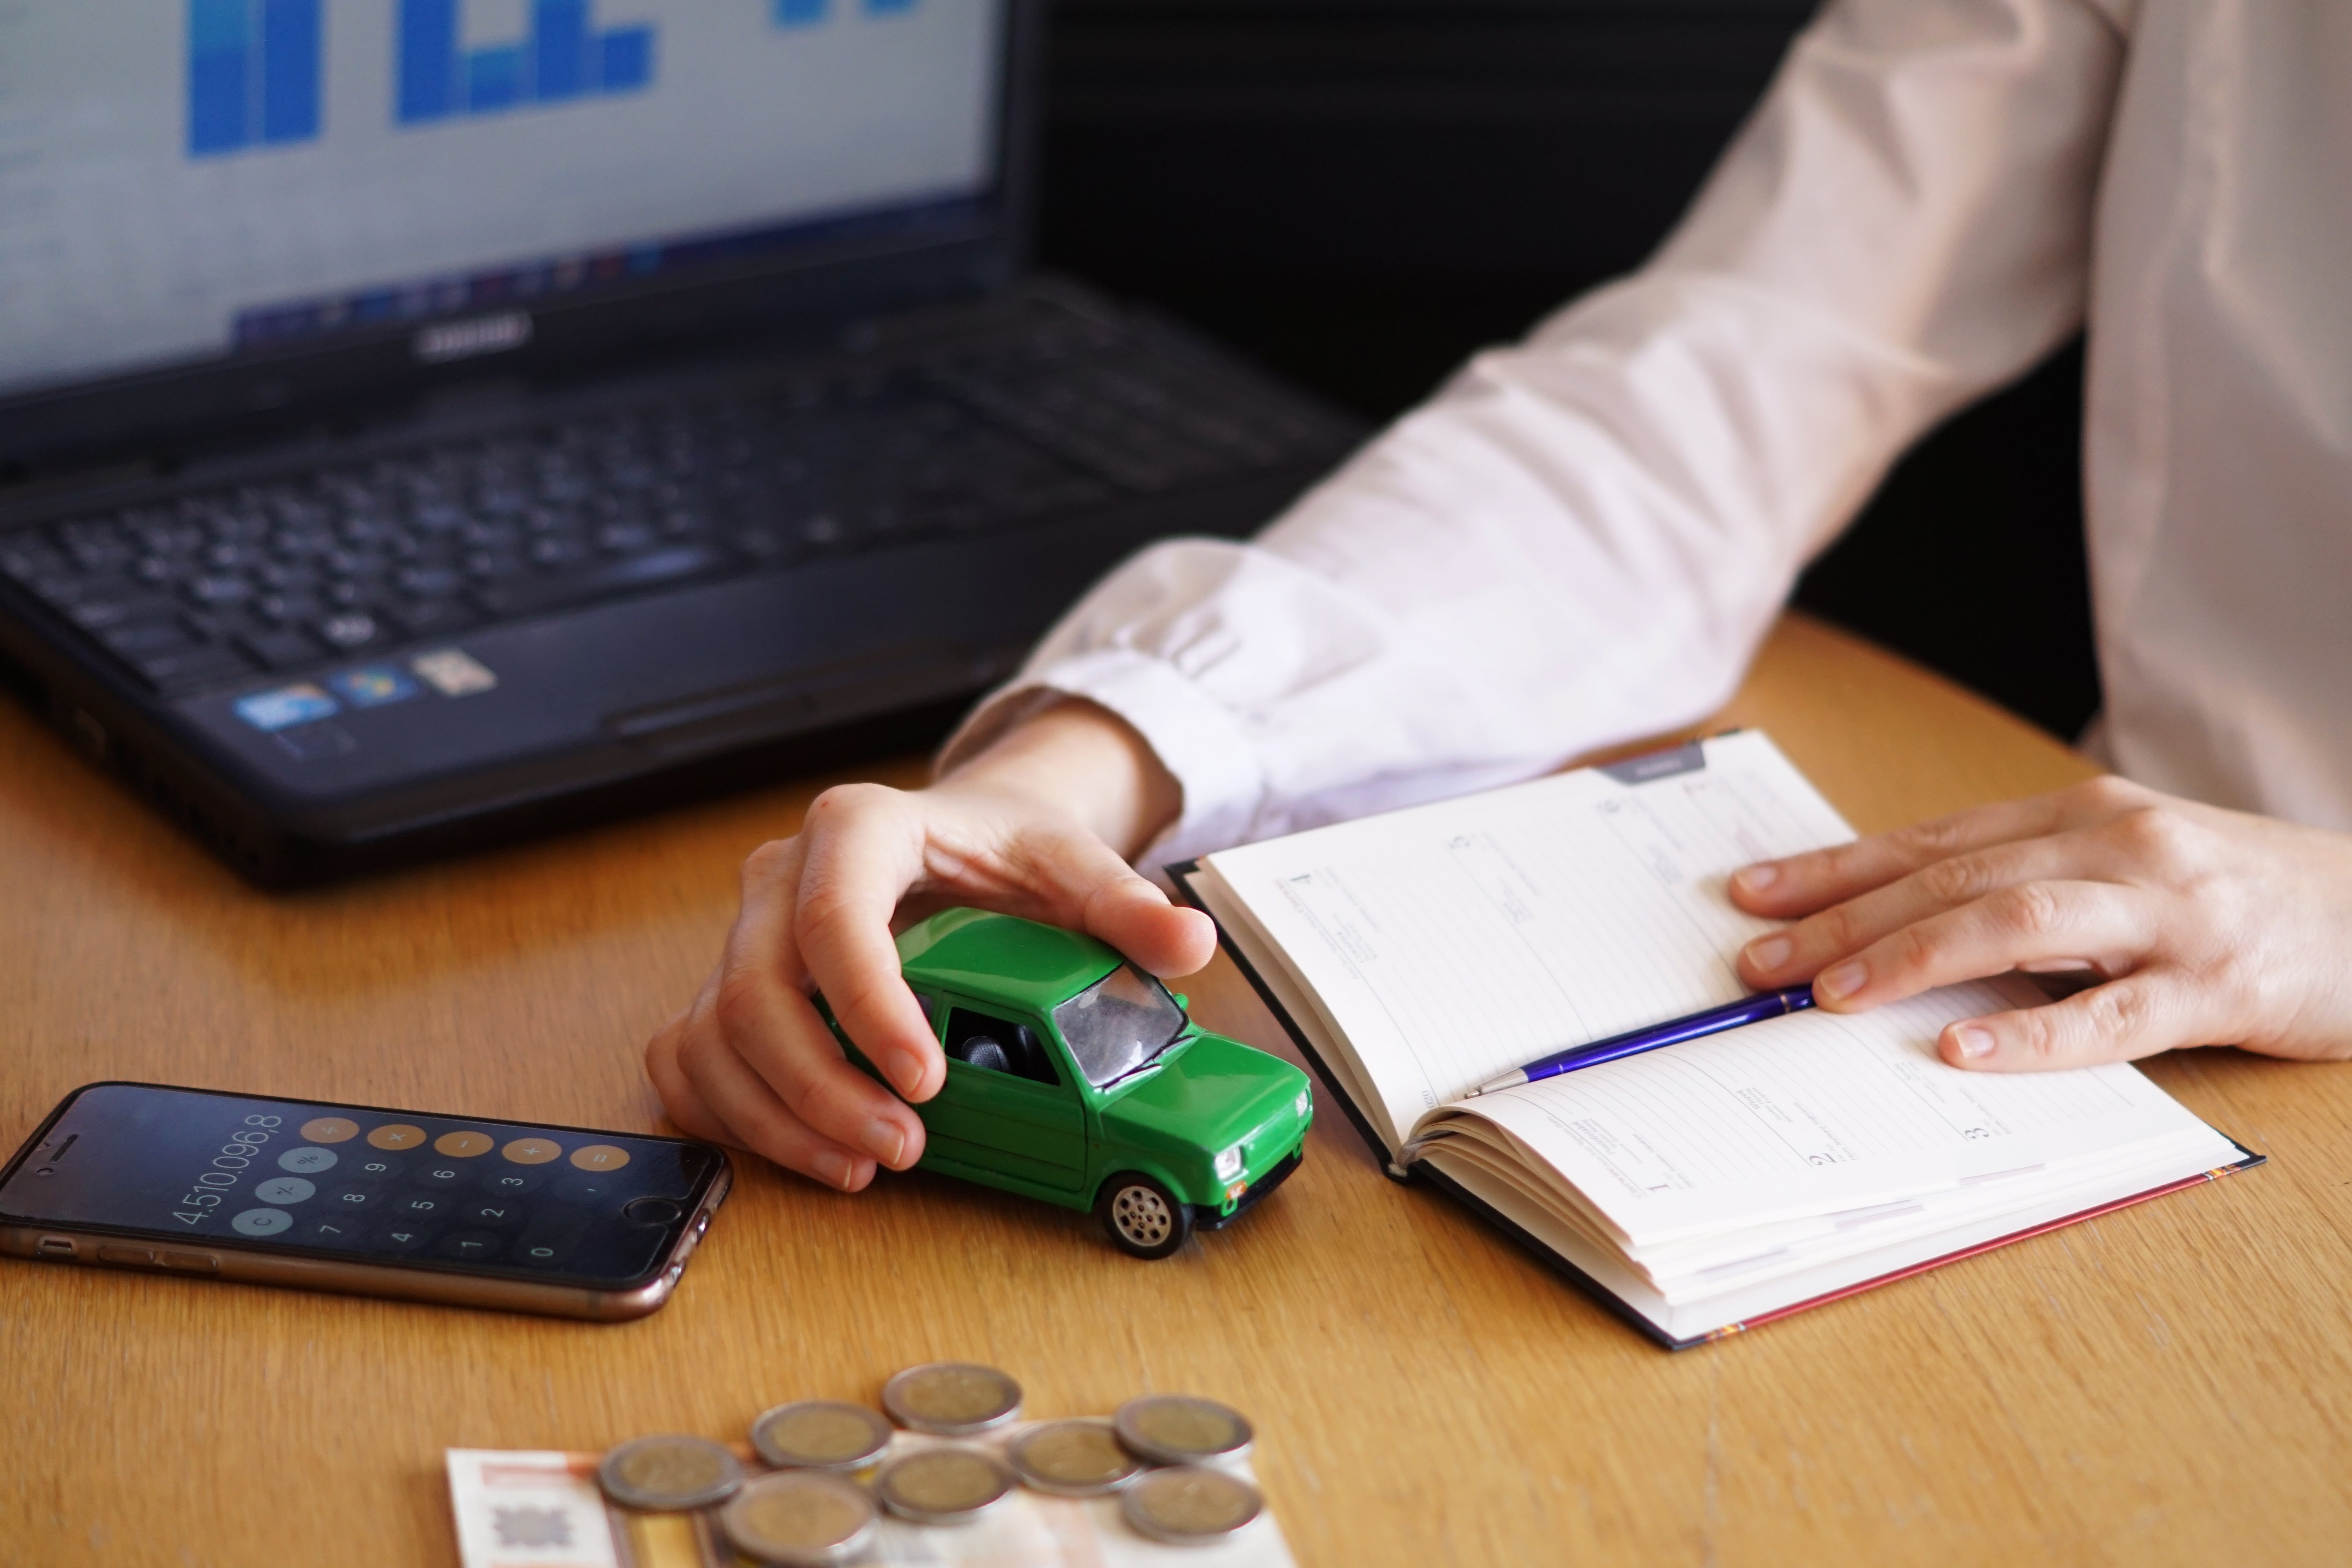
(2171,1385)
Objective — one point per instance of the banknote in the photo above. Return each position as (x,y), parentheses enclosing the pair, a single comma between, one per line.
(542,1509)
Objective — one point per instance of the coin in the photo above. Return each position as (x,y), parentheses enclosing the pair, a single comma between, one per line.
(952,1398)
(1179,1429)
(1189,1505)
(820,1434)
(950,1484)
(798,1519)
(667,1473)
(1074,1459)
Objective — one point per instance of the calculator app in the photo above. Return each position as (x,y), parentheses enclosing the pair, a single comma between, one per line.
(380,1185)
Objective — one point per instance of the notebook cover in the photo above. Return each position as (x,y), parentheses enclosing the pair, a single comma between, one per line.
(1181,873)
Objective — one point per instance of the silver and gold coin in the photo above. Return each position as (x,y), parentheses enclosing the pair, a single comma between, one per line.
(820,1435)
(668,1473)
(798,1519)
(952,1483)
(1191,1505)
(952,1398)
(1072,1458)
(1179,1429)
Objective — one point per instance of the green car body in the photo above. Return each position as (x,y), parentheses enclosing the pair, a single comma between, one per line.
(1214,1122)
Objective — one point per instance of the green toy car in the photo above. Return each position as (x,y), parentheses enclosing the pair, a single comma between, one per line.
(1075,1077)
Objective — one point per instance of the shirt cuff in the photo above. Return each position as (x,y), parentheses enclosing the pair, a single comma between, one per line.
(1194,736)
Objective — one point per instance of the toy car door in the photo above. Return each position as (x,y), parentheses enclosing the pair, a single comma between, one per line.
(1008,1105)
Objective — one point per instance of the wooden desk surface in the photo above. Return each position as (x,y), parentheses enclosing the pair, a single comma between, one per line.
(2170,1385)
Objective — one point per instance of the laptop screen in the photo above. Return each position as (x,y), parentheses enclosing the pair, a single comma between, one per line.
(181,181)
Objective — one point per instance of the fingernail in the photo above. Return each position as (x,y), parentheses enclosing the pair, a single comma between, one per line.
(883,1141)
(1973,1042)
(1843,981)
(1769,952)
(906,1072)
(1756,879)
(833,1167)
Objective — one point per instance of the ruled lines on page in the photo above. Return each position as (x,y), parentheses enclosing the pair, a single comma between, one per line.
(1452,941)
(1807,1113)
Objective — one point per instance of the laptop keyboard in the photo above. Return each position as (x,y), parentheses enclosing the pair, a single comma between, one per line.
(353,558)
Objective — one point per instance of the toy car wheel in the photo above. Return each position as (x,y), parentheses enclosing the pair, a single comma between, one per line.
(1142,1217)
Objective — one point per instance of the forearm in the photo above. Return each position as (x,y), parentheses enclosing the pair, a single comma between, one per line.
(1079,758)
(1583,538)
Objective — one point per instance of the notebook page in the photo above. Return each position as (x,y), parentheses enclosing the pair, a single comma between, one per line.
(1451,942)
(1818,1112)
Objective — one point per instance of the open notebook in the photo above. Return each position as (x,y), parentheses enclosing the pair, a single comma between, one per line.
(1709,1187)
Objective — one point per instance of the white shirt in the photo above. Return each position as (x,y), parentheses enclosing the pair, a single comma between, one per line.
(1582,539)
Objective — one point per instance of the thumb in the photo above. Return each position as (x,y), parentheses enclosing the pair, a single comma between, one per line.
(1090,889)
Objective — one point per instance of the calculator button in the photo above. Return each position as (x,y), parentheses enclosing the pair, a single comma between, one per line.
(423,1206)
(532,1151)
(307,1162)
(331,1230)
(491,1212)
(600,1157)
(400,1239)
(511,1183)
(551,1237)
(330,1130)
(262,1222)
(376,1168)
(396,1135)
(443,1173)
(462,1146)
(285,1190)
(651,1211)
(353,1197)
(588,1191)
(469,1246)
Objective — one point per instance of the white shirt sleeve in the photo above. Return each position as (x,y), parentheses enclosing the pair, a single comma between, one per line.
(1582,539)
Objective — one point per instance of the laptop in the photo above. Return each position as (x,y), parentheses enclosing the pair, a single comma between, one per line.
(426,422)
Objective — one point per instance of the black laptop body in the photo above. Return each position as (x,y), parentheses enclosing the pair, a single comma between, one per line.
(550,545)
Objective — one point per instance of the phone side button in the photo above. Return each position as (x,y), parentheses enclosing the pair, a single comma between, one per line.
(56,1247)
(125,1255)
(200,1262)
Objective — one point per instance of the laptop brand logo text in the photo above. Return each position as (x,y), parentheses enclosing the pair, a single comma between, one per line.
(490,334)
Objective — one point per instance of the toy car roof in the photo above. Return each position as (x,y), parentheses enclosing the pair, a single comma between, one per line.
(1020,961)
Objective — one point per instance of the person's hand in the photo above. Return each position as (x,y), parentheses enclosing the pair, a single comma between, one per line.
(1027,827)
(2202,926)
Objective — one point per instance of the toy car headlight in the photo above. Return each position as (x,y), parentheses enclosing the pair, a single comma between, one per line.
(1306,1097)
(1229,1163)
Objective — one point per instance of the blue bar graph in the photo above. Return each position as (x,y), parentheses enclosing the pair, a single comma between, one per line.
(809,13)
(253,74)
(563,59)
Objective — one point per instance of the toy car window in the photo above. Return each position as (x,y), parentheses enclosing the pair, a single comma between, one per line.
(1119,1023)
(999,1045)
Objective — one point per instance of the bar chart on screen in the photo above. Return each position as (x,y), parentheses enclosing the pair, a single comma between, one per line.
(564,55)
(253,74)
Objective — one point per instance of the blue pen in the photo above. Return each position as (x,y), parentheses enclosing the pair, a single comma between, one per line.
(1713,1020)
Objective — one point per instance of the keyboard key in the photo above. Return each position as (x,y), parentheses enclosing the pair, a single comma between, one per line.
(533,595)
(350,631)
(433,618)
(98,615)
(281,649)
(193,666)
(220,590)
(147,639)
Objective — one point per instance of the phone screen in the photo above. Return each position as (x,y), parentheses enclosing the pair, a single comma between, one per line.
(598,1209)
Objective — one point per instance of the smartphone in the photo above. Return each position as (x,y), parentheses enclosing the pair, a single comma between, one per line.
(469,1211)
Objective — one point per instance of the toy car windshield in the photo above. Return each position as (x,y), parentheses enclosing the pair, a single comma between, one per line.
(1117,1025)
